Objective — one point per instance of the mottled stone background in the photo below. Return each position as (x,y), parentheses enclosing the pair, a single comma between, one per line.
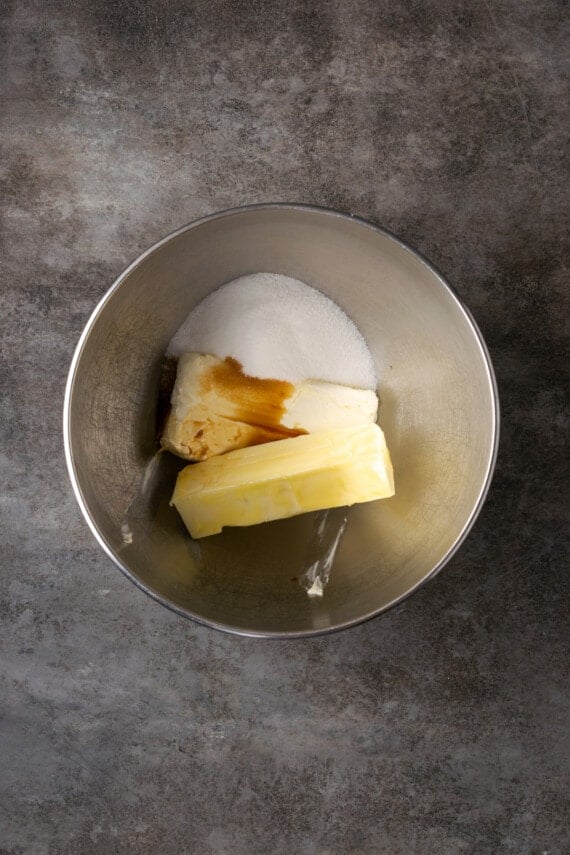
(438,729)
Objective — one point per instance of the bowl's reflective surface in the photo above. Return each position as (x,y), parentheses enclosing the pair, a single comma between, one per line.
(438,409)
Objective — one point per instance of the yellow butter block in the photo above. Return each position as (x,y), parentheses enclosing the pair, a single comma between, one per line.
(284,478)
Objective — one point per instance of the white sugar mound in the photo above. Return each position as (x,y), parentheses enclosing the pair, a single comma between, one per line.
(278,327)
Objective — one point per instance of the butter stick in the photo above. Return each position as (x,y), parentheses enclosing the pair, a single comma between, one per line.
(284,478)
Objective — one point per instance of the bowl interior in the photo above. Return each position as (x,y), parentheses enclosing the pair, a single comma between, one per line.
(437,409)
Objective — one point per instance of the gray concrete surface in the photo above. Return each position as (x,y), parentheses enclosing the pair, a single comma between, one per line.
(437,729)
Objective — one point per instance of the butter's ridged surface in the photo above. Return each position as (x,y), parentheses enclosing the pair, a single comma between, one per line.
(284,478)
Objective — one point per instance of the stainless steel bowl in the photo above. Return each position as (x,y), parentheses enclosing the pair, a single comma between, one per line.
(439,410)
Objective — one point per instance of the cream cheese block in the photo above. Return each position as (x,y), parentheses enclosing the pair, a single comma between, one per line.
(216,408)
(284,478)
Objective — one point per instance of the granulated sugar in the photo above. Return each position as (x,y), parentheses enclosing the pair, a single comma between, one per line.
(278,327)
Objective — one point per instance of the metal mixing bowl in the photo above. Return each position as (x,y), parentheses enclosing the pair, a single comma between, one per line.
(439,410)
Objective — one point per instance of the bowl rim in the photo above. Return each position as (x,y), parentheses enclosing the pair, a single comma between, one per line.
(228,628)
